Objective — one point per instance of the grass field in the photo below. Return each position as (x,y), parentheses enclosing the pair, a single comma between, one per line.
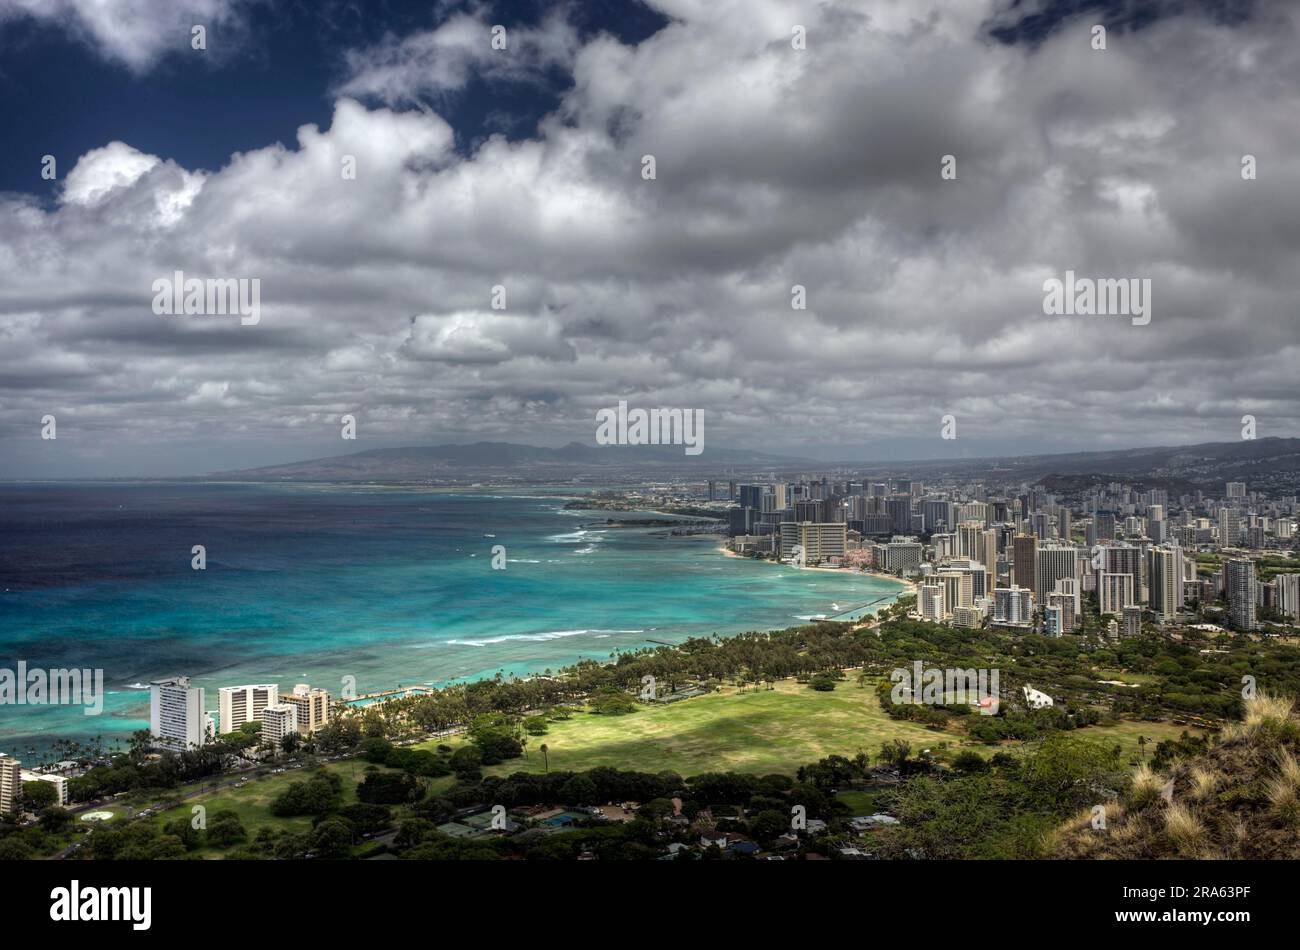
(760,732)
(252,802)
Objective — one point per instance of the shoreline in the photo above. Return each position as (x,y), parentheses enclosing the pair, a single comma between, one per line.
(912,586)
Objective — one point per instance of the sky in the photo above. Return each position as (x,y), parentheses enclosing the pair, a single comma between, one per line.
(920,169)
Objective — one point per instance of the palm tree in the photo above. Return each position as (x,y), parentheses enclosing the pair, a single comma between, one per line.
(546,766)
(1142,743)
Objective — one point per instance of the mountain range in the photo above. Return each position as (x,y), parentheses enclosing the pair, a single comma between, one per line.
(1272,462)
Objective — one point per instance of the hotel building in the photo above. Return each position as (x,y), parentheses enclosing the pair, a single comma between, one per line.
(237,705)
(176,715)
(11,784)
(278,721)
(312,705)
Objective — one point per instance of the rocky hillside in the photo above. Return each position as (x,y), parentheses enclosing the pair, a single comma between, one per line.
(1239,799)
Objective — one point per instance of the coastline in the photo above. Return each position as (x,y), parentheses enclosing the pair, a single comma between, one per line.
(912,586)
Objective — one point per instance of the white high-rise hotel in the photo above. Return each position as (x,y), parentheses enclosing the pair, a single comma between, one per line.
(237,705)
(176,714)
(278,721)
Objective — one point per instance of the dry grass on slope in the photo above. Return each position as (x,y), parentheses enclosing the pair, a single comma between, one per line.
(1240,799)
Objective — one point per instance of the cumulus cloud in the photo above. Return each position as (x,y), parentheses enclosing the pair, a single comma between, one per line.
(775,167)
(435,63)
(135,33)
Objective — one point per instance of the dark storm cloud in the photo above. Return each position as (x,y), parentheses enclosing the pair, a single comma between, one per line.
(775,167)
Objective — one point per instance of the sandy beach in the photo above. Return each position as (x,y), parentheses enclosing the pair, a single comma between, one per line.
(912,585)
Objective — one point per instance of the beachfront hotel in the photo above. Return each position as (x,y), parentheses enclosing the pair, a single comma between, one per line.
(820,542)
(312,705)
(11,784)
(237,705)
(176,715)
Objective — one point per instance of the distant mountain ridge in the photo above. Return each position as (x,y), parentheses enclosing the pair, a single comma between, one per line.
(424,461)
(1272,462)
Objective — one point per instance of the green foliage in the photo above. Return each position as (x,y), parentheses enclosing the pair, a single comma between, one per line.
(319,795)
(38,795)
(389,788)
(611,701)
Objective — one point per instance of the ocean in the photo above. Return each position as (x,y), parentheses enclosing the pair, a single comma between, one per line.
(393,586)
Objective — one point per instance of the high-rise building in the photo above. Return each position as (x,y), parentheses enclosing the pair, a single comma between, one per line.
(278,721)
(741,520)
(1013,605)
(177,718)
(1236,490)
(899,555)
(1067,614)
(931,602)
(1241,588)
(819,542)
(751,496)
(1115,592)
(11,784)
(1125,559)
(1055,562)
(312,704)
(1166,573)
(938,514)
(1104,522)
(1288,595)
(1040,523)
(899,509)
(958,588)
(237,705)
(1229,528)
(1132,616)
(988,553)
(1024,563)
(971,511)
(1072,588)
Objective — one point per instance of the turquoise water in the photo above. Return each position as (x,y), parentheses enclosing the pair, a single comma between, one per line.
(391,586)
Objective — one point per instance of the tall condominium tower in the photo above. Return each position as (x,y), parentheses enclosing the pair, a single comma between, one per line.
(1115,592)
(1166,573)
(11,784)
(1023,561)
(1055,562)
(1242,589)
(1229,528)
